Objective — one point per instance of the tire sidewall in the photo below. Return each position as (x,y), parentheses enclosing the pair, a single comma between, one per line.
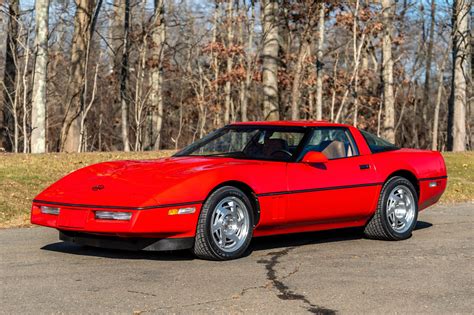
(387,189)
(210,207)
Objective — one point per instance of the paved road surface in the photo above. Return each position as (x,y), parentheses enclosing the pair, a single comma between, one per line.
(322,272)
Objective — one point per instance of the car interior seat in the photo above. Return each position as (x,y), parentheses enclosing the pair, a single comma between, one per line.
(335,150)
(273,145)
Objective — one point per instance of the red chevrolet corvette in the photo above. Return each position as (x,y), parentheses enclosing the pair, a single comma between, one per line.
(242,181)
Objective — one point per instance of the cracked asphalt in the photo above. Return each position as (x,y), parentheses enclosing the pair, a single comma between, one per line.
(324,273)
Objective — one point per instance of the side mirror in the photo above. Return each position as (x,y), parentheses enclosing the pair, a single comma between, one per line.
(313,157)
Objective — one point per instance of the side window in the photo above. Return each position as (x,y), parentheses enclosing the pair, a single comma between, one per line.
(335,143)
(274,145)
(377,144)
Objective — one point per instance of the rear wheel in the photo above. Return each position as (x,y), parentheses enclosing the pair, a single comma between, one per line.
(397,211)
(225,225)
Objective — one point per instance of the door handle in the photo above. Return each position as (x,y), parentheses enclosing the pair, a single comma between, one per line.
(364,166)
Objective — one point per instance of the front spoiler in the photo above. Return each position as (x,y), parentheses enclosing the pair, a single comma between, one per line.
(133,244)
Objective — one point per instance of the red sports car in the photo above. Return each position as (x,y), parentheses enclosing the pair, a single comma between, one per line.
(242,181)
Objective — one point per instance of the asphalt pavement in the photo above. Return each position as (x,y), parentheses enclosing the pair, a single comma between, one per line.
(324,272)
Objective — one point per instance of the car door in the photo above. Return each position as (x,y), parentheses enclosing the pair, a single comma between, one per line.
(343,189)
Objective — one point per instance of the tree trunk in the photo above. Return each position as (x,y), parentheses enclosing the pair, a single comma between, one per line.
(116,37)
(9,78)
(356,56)
(271,47)
(115,51)
(439,94)
(354,76)
(304,49)
(334,90)
(215,57)
(249,63)
(429,57)
(70,131)
(85,111)
(230,40)
(38,111)
(295,90)
(124,98)
(387,73)
(25,88)
(158,38)
(458,99)
(319,64)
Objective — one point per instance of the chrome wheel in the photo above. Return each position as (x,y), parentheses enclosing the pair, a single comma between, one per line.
(401,209)
(230,224)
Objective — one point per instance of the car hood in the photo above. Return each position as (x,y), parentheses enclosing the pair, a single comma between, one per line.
(130,183)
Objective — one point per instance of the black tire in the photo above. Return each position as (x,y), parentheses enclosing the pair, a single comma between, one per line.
(204,245)
(379,226)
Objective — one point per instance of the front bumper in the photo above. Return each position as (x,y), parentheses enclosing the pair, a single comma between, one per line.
(146,244)
(152,223)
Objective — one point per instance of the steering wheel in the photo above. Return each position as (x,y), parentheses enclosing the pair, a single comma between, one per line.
(282,151)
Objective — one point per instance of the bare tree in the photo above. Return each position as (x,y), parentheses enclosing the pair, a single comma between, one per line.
(9,77)
(439,94)
(70,131)
(85,112)
(387,73)
(458,98)
(249,63)
(124,69)
(38,111)
(24,97)
(158,37)
(303,50)
(352,85)
(319,63)
(116,36)
(429,59)
(271,47)
(229,63)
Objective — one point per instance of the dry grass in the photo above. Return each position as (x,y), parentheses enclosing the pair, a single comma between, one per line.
(461,177)
(23,176)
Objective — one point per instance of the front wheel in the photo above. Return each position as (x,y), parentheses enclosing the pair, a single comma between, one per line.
(397,211)
(225,225)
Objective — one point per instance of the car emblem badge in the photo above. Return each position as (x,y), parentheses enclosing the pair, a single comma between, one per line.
(98,187)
